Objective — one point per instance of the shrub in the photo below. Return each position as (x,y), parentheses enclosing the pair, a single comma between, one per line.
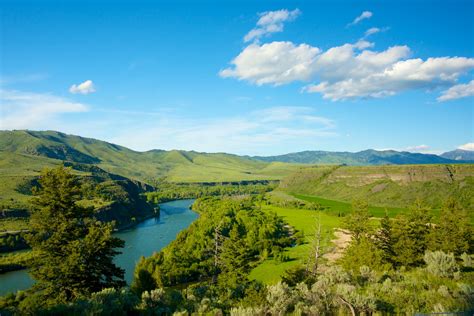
(440,264)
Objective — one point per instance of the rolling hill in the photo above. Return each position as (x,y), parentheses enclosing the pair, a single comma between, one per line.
(49,148)
(361,158)
(391,186)
(116,175)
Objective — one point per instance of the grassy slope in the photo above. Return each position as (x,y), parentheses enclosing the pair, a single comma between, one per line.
(385,186)
(178,166)
(270,271)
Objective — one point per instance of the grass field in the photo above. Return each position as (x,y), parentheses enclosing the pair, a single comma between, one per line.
(13,224)
(337,207)
(394,186)
(270,271)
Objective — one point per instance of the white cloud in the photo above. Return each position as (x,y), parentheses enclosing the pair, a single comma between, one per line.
(364,15)
(372,30)
(271,22)
(274,63)
(349,71)
(458,91)
(85,87)
(20,110)
(468,146)
(266,131)
(418,148)
(371,74)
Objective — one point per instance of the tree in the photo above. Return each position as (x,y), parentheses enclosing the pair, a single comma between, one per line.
(454,232)
(411,235)
(75,251)
(358,220)
(363,253)
(317,248)
(384,239)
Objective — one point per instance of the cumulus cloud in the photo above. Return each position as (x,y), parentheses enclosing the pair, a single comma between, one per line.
(350,70)
(458,91)
(271,22)
(20,110)
(468,146)
(372,74)
(364,15)
(275,63)
(85,87)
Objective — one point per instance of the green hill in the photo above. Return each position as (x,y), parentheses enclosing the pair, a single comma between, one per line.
(391,186)
(49,148)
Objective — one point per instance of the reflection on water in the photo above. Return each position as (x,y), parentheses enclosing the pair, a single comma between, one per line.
(141,240)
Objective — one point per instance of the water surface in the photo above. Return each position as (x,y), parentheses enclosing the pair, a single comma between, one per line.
(142,240)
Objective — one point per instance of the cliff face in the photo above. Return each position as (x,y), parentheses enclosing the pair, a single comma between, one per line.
(129,210)
(397,186)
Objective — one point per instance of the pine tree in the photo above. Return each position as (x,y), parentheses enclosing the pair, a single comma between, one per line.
(453,233)
(384,239)
(75,251)
(411,233)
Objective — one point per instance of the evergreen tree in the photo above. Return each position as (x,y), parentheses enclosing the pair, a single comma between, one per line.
(411,233)
(75,251)
(358,220)
(384,239)
(453,233)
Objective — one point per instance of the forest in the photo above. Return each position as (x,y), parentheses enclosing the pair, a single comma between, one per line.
(406,264)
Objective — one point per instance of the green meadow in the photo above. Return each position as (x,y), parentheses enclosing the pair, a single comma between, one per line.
(271,270)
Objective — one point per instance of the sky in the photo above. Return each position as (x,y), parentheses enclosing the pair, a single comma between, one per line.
(247,77)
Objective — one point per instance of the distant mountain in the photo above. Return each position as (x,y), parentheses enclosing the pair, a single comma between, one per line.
(459,154)
(366,157)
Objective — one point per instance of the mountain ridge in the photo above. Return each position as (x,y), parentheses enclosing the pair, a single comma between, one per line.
(360,158)
(459,155)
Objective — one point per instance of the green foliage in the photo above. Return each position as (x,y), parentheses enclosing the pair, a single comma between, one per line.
(384,240)
(302,221)
(173,191)
(364,252)
(244,234)
(357,222)
(411,232)
(74,251)
(453,232)
(15,260)
(440,263)
(12,241)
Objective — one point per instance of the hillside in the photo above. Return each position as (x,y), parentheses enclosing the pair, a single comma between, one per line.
(49,148)
(113,197)
(362,158)
(459,154)
(394,186)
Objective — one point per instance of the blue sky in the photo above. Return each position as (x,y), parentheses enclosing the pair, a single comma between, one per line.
(256,78)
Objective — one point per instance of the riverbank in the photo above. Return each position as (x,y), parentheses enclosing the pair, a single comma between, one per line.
(142,239)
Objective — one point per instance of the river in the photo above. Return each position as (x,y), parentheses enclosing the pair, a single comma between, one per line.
(142,240)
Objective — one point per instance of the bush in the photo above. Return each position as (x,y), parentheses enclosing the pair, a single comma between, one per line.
(440,264)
